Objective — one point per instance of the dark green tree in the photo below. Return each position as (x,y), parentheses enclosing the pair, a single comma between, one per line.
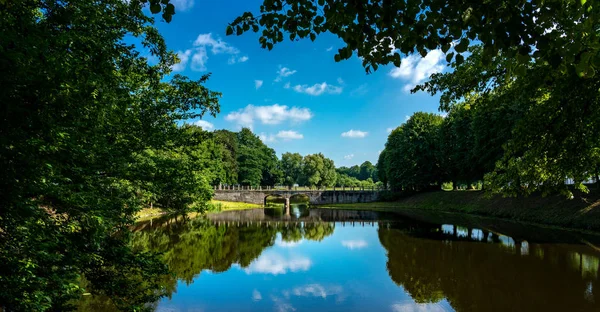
(80,105)
(227,141)
(291,164)
(367,170)
(411,154)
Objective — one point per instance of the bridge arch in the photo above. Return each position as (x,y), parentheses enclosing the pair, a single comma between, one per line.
(272,195)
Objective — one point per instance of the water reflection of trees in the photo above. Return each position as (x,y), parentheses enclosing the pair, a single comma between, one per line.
(188,247)
(482,271)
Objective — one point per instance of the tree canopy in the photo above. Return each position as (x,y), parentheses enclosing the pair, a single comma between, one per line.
(558,32)
(86,125)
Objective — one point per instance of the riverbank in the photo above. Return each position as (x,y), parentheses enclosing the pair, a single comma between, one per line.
(582,212)
(219,205)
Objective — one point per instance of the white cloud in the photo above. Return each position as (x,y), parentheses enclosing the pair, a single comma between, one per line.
(184,57)
(340,80)
(287,85)
(418,307)
(256,296)
(205,125)
(354,244)
(217,45)
(361,90)
(282,306)
(415,69)
(199,59)
(182,5)
(232,60)
(354,134)
(318,89)
(268,115)
(285,135)
(289,135)
(258,84)
(287,244)
(275,264)
(329,49)
(284,72)
(317,290)
(266,138)
(349,156)
(406,117)
(199,54)
(389,130)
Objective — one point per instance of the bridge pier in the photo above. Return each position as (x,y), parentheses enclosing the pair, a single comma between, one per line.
(287,206)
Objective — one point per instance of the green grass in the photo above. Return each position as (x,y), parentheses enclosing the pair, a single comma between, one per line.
(582,212)
(226,205)
(148,213)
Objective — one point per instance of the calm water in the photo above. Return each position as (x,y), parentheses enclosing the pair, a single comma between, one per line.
(331,260)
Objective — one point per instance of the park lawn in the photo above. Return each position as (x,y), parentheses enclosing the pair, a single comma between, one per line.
(227,205)
(150,213)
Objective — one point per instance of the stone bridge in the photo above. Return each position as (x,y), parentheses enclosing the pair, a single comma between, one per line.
(315,197)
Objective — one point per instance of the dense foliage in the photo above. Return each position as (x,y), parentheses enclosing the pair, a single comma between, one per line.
(88,135)
(557,32)
(528,132)
(518,134)
(314,170)
(411,154)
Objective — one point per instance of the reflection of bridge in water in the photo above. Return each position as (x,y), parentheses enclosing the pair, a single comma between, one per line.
(301,214)
(514,235)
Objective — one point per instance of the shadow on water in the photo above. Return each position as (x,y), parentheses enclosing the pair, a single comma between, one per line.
(471,264)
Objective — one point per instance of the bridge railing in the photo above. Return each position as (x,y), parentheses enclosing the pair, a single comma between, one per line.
(294,188)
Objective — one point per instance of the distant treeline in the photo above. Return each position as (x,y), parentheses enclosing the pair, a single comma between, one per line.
(241,158)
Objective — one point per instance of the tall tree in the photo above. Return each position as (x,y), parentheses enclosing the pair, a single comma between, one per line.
(79,105)
(249,158)
(291,164)
(367,170)
(318,171)
(411,153)
(227,141)
(533,130)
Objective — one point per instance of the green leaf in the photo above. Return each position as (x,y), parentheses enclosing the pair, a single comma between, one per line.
(449,57)
(462,45)
(313,36)
(228,30)
(337,58)
(155,8)
(459,59)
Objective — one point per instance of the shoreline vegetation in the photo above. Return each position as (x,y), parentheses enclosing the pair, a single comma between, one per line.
(219,205)
(580,213)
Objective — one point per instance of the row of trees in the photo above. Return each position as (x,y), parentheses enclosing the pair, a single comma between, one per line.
(519,134)
(531,73)
(317,170)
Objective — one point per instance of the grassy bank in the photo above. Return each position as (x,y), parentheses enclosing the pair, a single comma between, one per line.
(150,213)
(226,205)
(582,212)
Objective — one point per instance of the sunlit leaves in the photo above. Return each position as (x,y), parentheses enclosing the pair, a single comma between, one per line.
(546,26)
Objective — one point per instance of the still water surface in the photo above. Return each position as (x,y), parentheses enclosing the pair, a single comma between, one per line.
(333,260)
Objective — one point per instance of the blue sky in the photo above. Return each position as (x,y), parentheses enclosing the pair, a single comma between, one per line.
(296,97)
